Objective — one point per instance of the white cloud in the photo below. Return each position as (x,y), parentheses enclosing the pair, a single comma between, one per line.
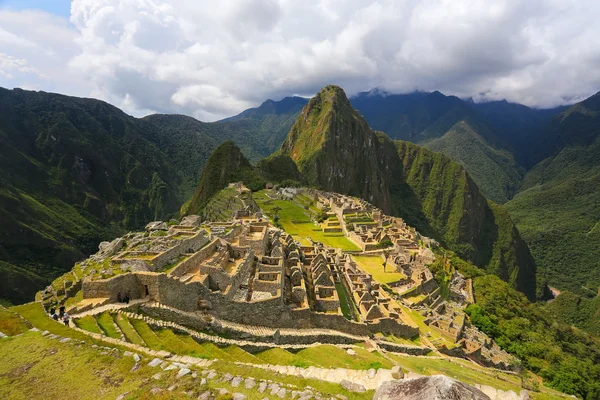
(213,59)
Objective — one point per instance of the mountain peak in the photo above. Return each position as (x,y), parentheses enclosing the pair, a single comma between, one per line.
(319,119)
(225,165)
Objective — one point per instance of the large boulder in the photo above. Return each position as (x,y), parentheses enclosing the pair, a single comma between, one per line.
(353,387)
(108,249)
(437,387)
(191,220)
(157,226)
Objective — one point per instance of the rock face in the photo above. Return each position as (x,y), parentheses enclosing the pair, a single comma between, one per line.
(437,387)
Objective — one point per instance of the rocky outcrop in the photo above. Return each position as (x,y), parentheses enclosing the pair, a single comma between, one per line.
(437,387)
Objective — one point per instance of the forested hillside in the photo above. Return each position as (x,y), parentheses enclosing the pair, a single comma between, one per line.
(558,207)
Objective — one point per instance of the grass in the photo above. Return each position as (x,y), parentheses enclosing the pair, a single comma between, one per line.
(36,315)
(294,221)
(11,323)
(374,266)
(279,356)
(174,344)
(330,356)
(146,334)
(241,355)
(106,323)
(88,323)
(346,304)
(130,334)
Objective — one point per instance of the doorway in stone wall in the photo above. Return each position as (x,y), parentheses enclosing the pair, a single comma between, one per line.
(146,289)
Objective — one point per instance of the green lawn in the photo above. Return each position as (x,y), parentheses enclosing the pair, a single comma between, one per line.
(330,356)
(88,323)
(346,303)
(128,330)
(294,221)
(108,326)
(241,355)
(146,334)
(374,266)
(36,315)
(279,356)
(11,323)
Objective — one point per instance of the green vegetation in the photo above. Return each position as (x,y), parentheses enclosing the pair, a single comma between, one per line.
(130,334)
(374,266)
(225,165)
(429,190)
(35,314)
(107,324)
(258,373)
(277,356)
(329,356)
(294,220)
(346,303)
(241,355)
(567,359)
(584,313)
(88,323)
(489,239)
(449,125)
(43,368)
(557,212)
(11,323)
(147,335)
(493,169)
(464,371)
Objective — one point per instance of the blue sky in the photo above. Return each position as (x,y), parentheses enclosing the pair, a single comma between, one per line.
(57,7)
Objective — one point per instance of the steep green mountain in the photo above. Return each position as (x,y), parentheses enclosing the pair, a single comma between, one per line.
(72,171)
(558,207)
(451,126)
(493,169)
(336,150)
(225,165)
(517,124)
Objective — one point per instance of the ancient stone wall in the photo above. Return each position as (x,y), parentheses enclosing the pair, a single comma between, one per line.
(111,287)
(177,294)
(267,286)
(192,262)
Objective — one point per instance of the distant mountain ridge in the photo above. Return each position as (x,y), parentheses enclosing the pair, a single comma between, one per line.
(558,206)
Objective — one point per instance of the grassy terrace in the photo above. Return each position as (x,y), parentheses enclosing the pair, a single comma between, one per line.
(346,303)
(11,323)
(84,372)
(294,220)
(374,266)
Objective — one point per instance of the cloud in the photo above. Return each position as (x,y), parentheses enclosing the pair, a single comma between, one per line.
(34,49)
(214,59)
